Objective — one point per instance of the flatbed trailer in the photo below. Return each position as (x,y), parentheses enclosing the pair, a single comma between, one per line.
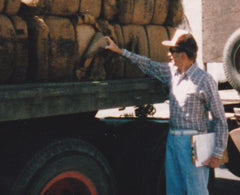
(52,143)
(25,101)
(46,125)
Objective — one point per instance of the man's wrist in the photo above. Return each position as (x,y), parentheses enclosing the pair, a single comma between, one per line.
(125,53)
(119,51)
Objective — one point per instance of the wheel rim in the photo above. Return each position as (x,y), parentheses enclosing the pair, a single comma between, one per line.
(69,183)
(236,59)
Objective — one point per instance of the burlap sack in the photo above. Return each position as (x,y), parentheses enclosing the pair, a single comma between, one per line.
(175,13)
(135,11)
(1,5)
(10,7)
(160,12)
(21,50)
(109,9)
(98,43)
(56,7)
(171,31)
(97,70)
(63,48)
(7,48)
(115,65)
(86,19)
(92,7)
(126,9)
(84,33)
(143,11)
(135,41)
(156,34)
(39,47)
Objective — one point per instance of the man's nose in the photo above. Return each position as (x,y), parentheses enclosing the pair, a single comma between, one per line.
(169,55)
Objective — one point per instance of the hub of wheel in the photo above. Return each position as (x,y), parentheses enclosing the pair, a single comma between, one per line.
(69,183)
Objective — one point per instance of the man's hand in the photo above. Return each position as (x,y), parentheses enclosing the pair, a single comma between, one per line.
(212,162)
(112,46)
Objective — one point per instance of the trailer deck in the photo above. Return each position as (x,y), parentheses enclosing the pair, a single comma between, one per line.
(26,101)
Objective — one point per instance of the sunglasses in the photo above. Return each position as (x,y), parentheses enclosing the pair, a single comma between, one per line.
(175,50)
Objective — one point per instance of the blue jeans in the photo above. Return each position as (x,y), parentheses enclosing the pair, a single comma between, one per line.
(182,177)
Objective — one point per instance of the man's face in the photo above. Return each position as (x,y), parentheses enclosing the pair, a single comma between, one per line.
(175,56)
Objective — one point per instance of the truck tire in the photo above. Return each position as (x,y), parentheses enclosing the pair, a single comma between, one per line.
(231,59)
(66,166)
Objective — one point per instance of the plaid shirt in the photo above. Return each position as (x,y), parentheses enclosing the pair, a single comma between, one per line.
(193,95)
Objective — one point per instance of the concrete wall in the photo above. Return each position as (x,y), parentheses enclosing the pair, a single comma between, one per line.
(220,18)
(212,22)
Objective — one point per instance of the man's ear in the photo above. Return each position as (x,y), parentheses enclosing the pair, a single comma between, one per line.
(183,55)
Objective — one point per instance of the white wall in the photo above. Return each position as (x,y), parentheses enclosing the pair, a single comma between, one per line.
(193,12)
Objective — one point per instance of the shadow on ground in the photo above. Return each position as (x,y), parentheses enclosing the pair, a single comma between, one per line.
(226,187)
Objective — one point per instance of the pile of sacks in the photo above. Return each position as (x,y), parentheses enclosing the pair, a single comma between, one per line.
(62,40)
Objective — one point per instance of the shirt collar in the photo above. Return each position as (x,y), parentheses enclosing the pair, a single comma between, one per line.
(191,70)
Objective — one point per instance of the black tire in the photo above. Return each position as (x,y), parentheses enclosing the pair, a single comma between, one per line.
(67,165)
(231,60)
(140,163)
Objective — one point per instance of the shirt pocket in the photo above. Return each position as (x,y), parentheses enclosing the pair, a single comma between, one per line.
(192,98)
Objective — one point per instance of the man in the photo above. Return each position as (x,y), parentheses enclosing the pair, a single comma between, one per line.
(193,95)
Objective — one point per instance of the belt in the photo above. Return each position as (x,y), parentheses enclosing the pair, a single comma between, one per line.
(184,132)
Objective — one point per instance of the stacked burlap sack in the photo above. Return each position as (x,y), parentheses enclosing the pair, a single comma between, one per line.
(160,12)
(62,40)
(13,44)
